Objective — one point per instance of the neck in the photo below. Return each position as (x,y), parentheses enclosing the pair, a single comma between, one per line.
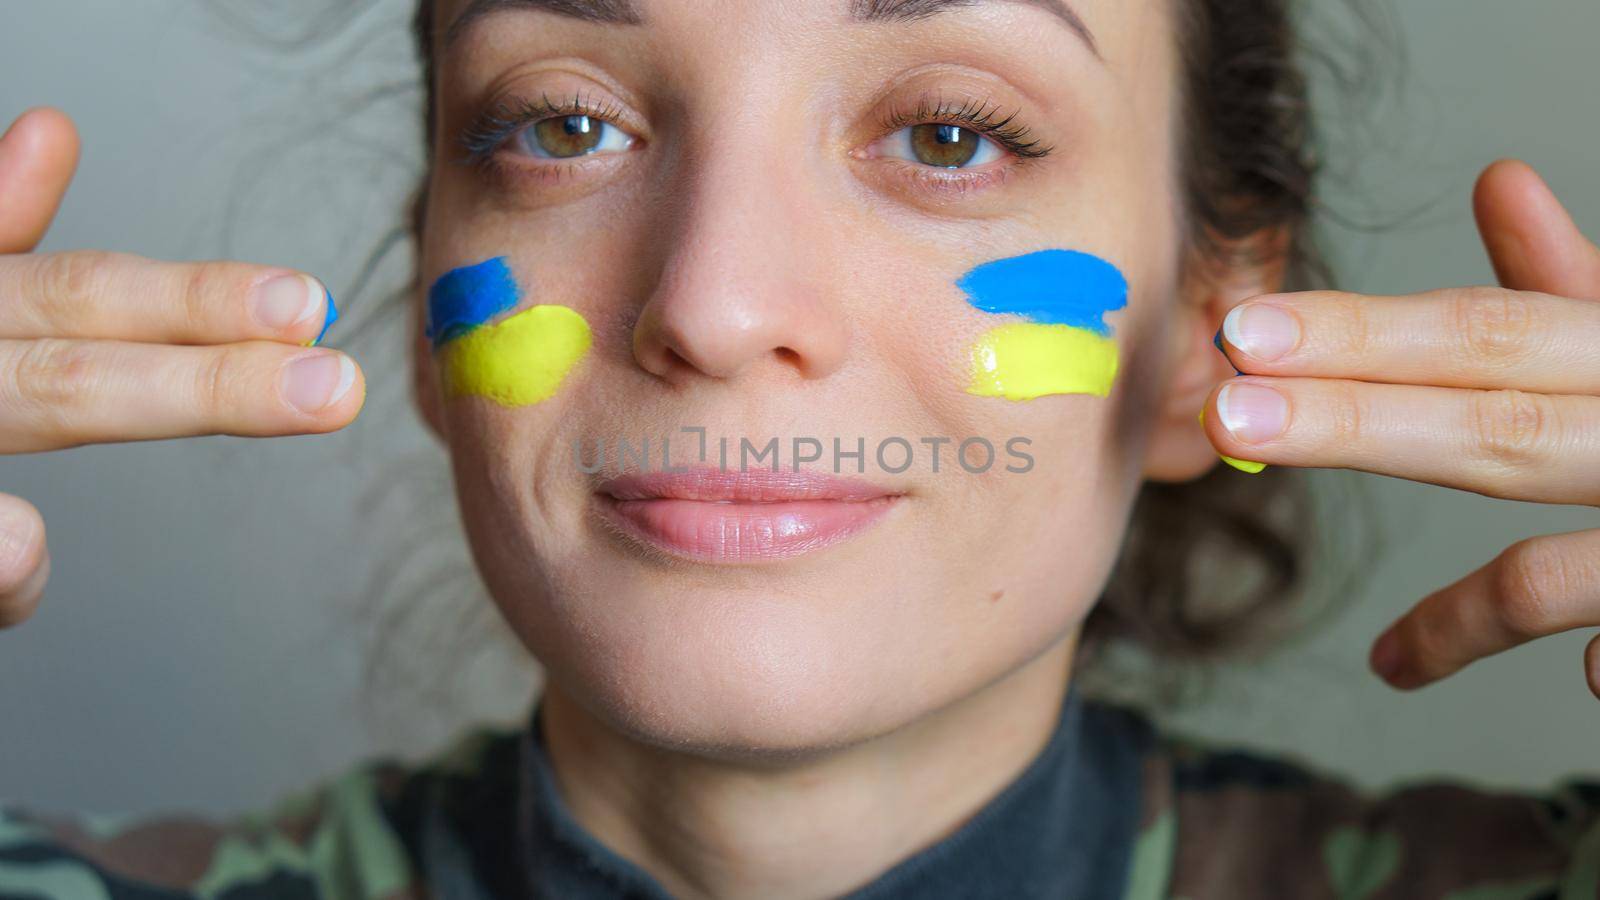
(710,829)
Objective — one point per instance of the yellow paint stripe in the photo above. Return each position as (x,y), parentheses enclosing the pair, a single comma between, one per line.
(518,361)
(1022,361)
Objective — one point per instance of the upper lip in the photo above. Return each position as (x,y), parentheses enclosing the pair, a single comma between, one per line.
(750,486)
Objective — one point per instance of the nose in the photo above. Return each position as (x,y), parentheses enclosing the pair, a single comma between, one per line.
(744,283)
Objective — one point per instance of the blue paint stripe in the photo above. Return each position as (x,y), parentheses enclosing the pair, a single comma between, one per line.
(1056,287)
(464,298)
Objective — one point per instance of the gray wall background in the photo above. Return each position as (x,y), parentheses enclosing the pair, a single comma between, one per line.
(202,642)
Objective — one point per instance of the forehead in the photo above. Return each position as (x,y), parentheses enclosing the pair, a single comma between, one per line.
(1085,19)
(1116,60)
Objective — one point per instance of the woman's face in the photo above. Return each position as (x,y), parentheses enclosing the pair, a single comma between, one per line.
(762,228)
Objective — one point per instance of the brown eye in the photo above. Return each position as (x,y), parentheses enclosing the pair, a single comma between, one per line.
(949,146)
(943,145)
(565,137)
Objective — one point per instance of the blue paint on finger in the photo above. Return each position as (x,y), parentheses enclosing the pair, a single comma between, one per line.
(332,317)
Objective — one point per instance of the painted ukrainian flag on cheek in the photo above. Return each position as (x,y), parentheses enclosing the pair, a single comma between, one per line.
(1063,346)
(518,361)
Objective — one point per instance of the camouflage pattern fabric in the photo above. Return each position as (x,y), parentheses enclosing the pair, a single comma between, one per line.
(1214,822)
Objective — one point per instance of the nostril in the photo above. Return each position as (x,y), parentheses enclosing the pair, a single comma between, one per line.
(789,356)
(674,361)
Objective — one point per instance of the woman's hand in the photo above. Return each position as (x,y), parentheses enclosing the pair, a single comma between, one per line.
(1494,390)
(102,347)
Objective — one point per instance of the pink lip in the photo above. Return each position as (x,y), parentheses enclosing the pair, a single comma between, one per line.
(735,517)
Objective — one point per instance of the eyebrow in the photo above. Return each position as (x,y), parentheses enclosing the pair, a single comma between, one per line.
(611,12)
(624,12)
(911,10)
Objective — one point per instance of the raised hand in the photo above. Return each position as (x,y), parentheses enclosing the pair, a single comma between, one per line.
(1489,389)
(101,347)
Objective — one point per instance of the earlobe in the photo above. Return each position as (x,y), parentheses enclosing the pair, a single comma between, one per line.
(1178,449)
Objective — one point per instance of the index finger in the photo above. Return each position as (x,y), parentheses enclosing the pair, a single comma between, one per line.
(1474,337)
(94,294)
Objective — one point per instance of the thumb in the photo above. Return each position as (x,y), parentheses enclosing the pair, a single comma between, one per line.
(38,155)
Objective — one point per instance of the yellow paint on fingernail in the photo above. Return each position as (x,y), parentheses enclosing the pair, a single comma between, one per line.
(519,361)
(1023,361)
(1243,465)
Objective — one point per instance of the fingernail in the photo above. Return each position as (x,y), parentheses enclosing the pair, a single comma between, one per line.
(313,382)
(1263,331)
(1252,413)
(286,301)
(1243,465)
(332,317)
(1386,655)
(1217,339)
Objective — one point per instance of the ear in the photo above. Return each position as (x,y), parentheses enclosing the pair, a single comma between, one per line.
(1178,449)
(424,375)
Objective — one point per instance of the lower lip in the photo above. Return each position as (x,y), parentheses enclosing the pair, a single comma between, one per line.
(744,532)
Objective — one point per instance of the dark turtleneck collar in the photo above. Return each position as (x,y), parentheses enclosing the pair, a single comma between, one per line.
(1064,828)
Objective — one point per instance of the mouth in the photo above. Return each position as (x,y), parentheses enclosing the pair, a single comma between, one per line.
(730,517)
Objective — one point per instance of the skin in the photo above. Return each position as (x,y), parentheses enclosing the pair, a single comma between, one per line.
(749,267)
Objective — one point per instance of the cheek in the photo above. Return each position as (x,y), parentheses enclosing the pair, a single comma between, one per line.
(518,361)
(1062,344)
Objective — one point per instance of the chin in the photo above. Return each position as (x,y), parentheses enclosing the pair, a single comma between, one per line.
(762,671)
(770,677)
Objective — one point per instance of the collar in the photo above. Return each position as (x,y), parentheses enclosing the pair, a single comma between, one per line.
(1063,828)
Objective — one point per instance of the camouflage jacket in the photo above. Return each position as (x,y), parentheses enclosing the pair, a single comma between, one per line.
(1111,808)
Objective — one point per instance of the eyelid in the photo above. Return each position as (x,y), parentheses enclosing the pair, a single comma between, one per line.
(981,116)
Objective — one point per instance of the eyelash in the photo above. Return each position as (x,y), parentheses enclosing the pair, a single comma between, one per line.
(489,131)
(979,117)
(483,138)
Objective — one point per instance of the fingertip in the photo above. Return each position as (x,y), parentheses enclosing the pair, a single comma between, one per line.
(21,536)
(332,315)
(1534,243)
(38,157)
(24,559)
(351,393)
(1505,166)
(358,390)
(1591,665)
(1384,657)
(1505,183)
(1249,467)
(44,132)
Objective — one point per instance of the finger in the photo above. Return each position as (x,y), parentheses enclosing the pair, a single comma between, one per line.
(24,559)
(1476,337)
(1535,588)
(64,393)
(1532,241)
(120,296)
(1591,665)
(1512,444)
(38,155)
